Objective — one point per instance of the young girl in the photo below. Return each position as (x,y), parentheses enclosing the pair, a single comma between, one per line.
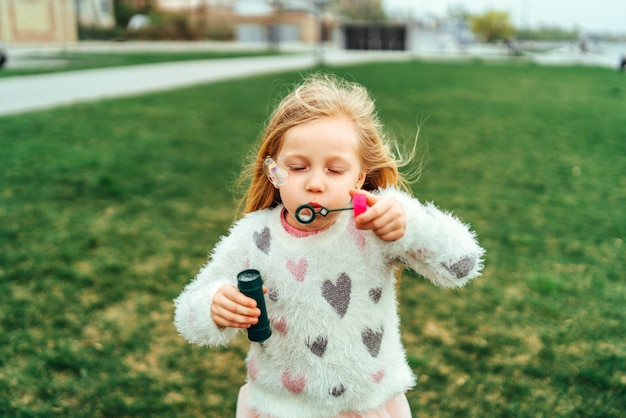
(335,348)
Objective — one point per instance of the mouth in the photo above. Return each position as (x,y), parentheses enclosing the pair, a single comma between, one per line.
(319,209)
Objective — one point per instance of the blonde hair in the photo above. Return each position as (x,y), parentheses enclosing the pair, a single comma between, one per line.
(323,95)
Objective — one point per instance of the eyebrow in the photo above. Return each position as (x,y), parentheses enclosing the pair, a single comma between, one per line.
(338,160)
(334,159)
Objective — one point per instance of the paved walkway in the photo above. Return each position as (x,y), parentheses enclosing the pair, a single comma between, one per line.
(26,93)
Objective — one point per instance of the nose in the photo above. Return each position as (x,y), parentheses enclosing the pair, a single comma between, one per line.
(315,182)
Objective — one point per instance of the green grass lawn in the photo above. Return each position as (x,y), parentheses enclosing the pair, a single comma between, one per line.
(108,209)
(69,61)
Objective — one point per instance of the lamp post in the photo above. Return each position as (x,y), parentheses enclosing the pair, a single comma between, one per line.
(274,26)
(320,6)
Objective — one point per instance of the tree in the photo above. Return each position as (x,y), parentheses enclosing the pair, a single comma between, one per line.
(492,26)
(361,10)
(125,9)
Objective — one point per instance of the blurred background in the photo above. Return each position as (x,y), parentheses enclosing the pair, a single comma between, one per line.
(551,31)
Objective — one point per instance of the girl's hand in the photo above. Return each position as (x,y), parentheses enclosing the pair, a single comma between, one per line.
(231,308)
(384,216)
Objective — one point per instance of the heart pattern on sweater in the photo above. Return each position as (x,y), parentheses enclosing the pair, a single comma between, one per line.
(358,237)
(376,293)
(337,391)
(461,268)
(318,345)
(191,316)
(253,370)
(280,325)
(338,295)
(298,270)
(372,340)
(263,240)
(378,376)
(294,384)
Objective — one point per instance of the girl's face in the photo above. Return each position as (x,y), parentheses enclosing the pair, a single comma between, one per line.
(321,159)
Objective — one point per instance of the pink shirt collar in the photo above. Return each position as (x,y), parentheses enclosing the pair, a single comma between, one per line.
(294,232)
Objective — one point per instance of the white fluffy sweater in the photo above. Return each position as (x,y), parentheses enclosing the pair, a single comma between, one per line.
(335,343)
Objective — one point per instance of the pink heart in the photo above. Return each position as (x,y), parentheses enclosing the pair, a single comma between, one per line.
(280,325)
(253,370)
(294,384)
(378,376)
(299,269)
(191,318)
(358,237)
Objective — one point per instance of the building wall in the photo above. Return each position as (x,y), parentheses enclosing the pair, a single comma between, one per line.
(178,5)
(289,27)
(37,21)
(95,13)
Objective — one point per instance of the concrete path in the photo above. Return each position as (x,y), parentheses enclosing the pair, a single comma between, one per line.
(26,93)
(19,94)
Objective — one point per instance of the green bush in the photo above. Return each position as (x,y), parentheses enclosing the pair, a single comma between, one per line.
(89,33)
(166,27)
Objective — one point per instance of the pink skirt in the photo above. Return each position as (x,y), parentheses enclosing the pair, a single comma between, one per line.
(396,407)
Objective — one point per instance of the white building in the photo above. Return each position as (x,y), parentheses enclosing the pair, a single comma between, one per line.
(177,5)
(35,21)
(95,13)
(263,21)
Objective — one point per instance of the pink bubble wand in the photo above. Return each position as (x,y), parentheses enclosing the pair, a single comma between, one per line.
(305,214)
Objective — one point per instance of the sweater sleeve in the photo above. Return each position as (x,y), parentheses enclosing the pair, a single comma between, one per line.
(192,308)
(436,244)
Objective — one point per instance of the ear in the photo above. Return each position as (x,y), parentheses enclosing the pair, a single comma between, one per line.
(273,181)
(361,180)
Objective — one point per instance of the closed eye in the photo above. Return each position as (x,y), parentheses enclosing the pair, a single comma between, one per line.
(337,170)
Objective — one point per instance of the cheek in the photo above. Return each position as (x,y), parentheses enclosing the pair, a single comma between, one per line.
(354,181)
(287,195)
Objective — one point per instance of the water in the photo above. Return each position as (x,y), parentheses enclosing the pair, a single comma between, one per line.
(604,54)
(435,43)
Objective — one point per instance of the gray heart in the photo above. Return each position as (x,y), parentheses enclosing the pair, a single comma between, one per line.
(372,340)
(263,240)
(337,391)
(338,296)
(376,293)
(462,267)
(317,346)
